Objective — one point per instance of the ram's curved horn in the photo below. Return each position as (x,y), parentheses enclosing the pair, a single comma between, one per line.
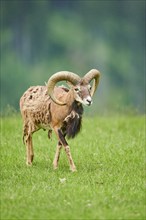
(61,76)
(92,75)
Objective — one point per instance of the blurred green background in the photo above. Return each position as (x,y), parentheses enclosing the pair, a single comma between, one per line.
(39,38)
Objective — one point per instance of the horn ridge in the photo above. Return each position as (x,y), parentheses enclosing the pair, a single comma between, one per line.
(61,76)
(93,74)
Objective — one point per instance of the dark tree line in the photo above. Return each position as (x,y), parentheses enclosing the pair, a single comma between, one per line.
(39,38)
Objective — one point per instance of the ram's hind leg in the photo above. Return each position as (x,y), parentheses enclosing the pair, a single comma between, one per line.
(27,138)
(57,155)
(29,151)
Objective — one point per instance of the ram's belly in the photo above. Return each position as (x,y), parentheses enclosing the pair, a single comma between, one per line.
(45,126)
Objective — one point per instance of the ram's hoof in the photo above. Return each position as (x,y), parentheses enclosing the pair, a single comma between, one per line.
(55,166)
(73,169)
(29,164)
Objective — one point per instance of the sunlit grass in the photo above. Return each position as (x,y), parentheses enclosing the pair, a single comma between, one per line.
(109,155)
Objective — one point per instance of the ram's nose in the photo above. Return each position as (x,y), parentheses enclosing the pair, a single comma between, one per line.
(89,100)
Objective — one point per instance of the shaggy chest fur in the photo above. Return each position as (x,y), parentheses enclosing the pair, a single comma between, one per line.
(72,123)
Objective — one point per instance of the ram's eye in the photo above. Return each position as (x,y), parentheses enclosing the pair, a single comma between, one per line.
(89,87)
(77,89)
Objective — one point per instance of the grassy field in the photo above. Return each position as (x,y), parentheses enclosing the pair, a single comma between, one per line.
(109,154)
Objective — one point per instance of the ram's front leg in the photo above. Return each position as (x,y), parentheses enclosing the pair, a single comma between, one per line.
(67,148)
(57,155)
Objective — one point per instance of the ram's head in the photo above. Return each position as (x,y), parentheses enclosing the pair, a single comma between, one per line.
(81,87)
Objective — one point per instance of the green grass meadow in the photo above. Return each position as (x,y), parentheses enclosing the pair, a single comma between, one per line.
(109,154)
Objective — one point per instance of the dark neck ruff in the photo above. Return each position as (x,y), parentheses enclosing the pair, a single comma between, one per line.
(73,126)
